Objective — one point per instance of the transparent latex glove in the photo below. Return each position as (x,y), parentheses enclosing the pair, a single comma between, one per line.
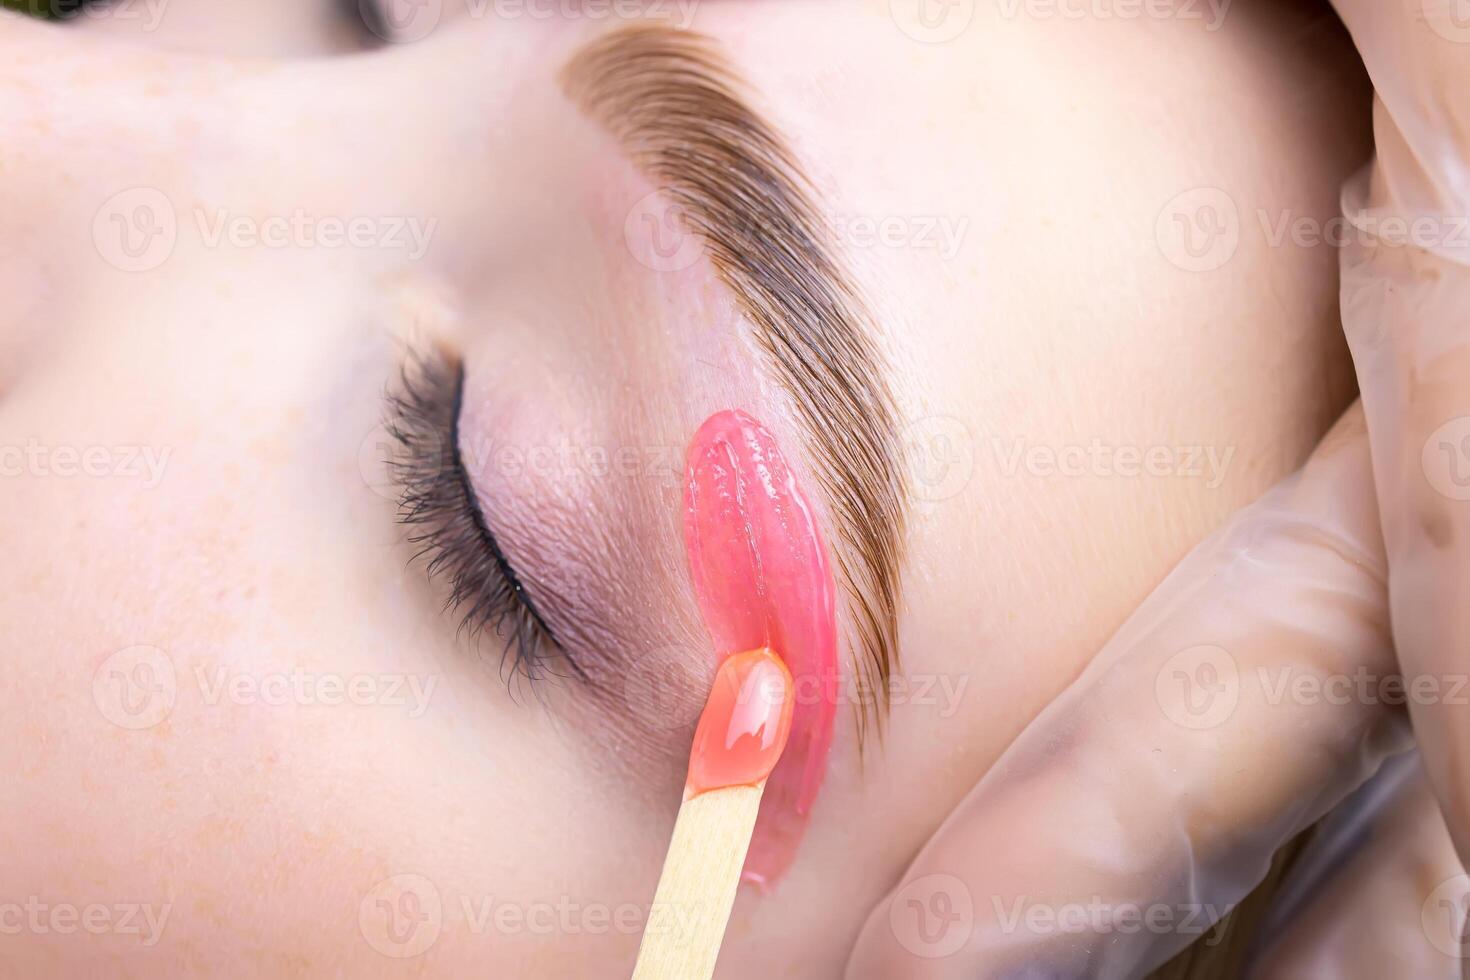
(1387,893)
(1236,706)
(1406,309)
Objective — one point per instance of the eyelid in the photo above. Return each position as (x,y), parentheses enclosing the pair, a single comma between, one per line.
(439,506)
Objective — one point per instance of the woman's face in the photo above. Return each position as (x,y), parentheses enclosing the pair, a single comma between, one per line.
(236,704)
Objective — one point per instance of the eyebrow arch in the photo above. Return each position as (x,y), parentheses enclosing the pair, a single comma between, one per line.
(672,101)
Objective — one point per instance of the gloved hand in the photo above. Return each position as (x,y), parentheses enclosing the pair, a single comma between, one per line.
(1240,702)
(1384,894)
(1406,309)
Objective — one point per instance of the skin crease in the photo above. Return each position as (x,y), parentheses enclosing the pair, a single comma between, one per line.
(270,829)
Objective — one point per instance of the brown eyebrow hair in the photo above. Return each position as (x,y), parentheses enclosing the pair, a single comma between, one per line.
(672,101)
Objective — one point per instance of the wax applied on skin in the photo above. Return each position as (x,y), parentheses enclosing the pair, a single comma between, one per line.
(745,723)
(762,579)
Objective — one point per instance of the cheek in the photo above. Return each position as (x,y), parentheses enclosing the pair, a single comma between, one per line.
(228,701)
(224,772)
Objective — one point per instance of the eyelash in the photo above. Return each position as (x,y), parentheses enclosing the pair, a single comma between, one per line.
(438,506)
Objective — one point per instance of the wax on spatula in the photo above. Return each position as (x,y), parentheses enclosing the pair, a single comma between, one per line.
(738,741)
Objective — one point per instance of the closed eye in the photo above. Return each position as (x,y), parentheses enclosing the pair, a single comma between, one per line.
(446,524)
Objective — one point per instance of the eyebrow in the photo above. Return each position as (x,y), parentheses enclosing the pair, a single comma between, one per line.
(675,105)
